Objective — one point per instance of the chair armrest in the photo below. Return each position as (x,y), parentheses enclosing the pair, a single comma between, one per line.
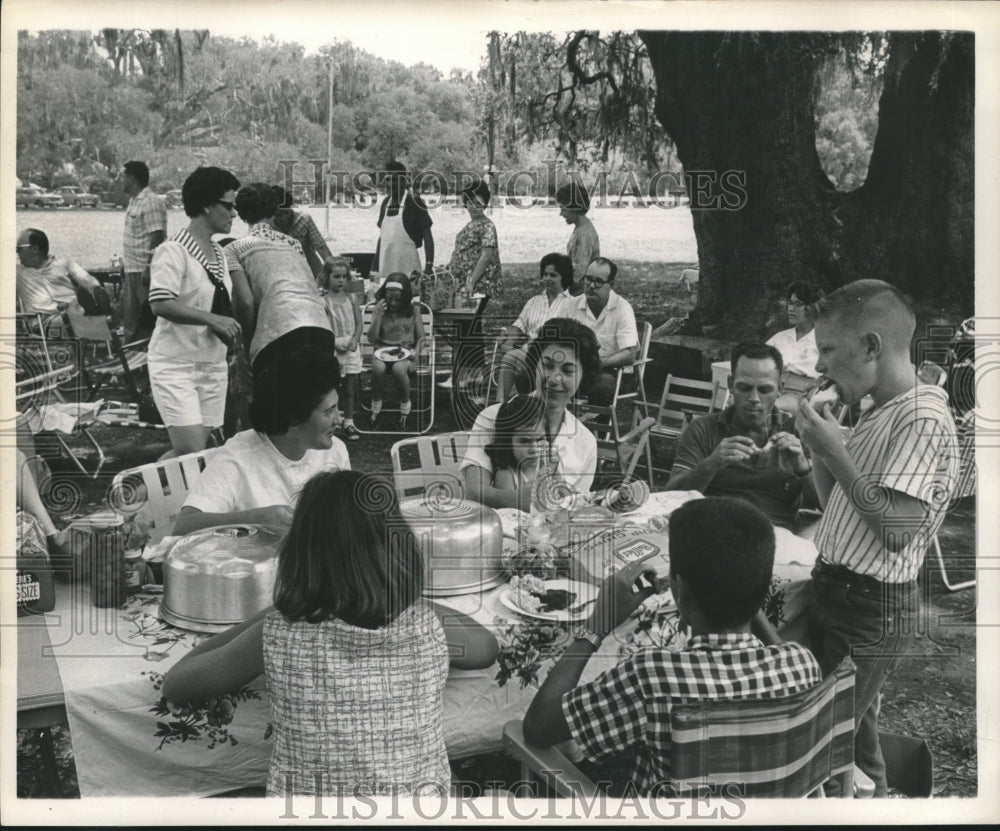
(549,763)
(137,344)
(642,427)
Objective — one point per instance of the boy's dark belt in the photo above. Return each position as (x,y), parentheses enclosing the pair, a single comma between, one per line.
(862,581)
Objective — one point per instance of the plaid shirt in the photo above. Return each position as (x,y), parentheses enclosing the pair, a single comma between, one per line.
(629,706)
(146,214)
(304,230)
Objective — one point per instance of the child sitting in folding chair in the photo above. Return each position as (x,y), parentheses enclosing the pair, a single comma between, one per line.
(721,556)
(345,317)
(395,331)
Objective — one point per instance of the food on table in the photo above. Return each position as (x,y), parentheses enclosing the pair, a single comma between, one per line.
(531,595)
(542,561)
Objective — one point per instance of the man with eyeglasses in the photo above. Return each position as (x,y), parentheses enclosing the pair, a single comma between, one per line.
(613,320)
(48,284)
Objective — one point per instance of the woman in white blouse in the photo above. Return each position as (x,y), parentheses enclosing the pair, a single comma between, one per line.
(797,345)
(557,278)
(563,360)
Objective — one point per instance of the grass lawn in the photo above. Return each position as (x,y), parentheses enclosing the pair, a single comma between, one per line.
(932,695)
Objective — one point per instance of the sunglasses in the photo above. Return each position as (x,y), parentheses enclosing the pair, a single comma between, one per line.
(229,206)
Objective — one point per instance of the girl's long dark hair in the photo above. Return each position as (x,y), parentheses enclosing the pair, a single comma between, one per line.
(407,298)
(349,554)
(514,415)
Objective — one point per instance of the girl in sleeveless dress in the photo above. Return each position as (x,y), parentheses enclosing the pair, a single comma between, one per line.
(354,661)
(345,317)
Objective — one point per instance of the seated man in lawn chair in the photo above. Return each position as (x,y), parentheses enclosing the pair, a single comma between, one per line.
(49,284)
(721,557)
(613,320)
(748,450)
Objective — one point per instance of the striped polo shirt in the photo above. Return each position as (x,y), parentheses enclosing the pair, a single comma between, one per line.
(907,445)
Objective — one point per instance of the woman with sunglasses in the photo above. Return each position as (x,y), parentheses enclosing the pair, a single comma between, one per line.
(797,344)
(189,293)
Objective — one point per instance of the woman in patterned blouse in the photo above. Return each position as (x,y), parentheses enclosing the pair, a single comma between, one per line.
(475,262)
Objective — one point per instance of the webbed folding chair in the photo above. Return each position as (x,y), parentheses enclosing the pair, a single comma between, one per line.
(773,747)
(422,384)
(161,487)
(966,486)
(105,356)
(429,465)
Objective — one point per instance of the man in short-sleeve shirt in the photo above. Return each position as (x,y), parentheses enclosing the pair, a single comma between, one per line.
(884,494)
(46,283)
(145,229)
(611,317)
(748,450)
(301,227)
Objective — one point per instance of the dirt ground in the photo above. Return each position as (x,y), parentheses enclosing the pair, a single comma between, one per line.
(931,696)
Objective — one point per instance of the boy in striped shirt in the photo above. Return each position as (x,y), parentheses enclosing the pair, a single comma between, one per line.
(884,494)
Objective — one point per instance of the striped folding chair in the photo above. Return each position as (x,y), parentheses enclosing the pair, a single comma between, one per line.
(771,747)
(775,747)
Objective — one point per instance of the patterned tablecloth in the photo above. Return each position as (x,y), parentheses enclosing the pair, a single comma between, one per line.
(127,743)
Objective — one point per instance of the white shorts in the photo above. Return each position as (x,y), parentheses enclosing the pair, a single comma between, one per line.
(188,394)
(350,362)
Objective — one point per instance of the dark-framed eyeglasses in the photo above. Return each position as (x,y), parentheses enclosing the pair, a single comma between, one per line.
(596,282)
(21,246)
(229,206)
(795,304)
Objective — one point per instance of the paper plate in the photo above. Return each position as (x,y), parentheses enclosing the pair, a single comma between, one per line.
(389,354)
(583,591)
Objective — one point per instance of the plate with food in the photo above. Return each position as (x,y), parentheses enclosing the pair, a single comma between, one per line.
(562,601)
(389,354)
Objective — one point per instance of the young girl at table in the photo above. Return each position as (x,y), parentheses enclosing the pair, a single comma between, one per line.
(395,322)
(345,317)
(355,662)
(514,449)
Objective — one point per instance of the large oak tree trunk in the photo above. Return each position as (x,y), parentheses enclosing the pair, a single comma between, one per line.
(742,105)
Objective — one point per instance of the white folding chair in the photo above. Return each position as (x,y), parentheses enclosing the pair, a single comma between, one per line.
(427,465)
(161,487)
(422,386)
(966,486)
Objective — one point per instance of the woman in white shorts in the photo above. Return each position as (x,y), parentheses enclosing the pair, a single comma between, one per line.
(189,294)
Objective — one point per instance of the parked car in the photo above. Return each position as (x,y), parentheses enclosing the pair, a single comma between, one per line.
(37,198)
(173,199)
(77,197)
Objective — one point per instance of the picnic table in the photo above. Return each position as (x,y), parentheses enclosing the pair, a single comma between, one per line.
(100,670)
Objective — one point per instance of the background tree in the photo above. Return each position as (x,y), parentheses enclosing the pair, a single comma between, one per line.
(741,112)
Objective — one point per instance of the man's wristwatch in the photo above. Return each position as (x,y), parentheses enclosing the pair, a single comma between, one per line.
(583,633)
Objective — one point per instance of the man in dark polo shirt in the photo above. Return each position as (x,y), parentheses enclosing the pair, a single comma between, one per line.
(748,450)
